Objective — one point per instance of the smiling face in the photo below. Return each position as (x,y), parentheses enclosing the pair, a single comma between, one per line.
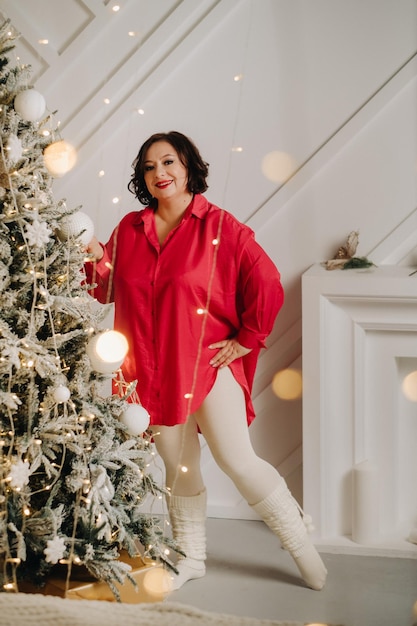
(165,176)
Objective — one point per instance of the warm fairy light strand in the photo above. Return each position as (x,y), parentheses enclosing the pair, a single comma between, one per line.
(240,80)
(11,562)
(201,339)
(215,242)
(32,270)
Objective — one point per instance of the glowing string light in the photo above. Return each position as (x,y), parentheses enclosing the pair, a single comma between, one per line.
(140,111)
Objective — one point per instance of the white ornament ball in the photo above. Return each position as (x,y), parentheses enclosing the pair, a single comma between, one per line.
(30,104)
(61,394)
(107,351)
(59,158)
(78,226)
(136,418)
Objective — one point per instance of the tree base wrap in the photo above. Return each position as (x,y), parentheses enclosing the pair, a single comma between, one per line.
(91,589)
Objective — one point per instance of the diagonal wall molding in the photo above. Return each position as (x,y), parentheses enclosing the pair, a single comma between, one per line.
(399,244)
(144,71)
(335,143)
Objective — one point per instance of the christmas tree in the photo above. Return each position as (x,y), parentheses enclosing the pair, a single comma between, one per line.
(74,476)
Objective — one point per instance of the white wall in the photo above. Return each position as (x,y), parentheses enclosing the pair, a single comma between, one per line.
(331,83)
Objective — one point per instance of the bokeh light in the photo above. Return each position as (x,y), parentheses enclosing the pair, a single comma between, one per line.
(409,386)
(157,582)
(107,351)
(111,346)
(59,158)
(278,166)
(287,384)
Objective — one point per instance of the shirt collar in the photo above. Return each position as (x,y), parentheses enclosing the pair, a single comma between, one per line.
(199,206)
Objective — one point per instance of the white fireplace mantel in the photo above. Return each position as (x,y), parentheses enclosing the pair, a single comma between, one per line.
(359,343)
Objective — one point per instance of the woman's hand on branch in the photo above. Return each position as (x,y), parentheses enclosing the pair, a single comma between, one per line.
(228,351)
(95,249)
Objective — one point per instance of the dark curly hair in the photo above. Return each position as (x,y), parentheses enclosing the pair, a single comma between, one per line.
(189,155)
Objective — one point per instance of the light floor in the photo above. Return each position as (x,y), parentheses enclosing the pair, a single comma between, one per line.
(248,574)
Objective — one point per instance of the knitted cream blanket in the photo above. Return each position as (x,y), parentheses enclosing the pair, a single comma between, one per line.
(21,609)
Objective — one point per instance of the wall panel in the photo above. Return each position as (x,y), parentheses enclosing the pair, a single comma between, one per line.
(329,83)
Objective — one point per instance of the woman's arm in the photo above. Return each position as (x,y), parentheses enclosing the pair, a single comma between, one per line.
(99,270)
(260,295)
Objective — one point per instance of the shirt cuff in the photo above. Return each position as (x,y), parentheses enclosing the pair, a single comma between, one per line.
(250,340)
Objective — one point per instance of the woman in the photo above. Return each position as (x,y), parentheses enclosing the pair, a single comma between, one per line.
(196,297)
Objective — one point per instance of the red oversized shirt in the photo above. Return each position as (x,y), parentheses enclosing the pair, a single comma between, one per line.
(210,280)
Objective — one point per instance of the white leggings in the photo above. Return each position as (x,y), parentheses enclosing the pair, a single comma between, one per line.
(222,421)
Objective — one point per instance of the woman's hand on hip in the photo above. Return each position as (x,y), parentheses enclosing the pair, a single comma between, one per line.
(228,351)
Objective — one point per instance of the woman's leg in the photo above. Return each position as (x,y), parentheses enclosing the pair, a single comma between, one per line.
(179,448)
(222,421)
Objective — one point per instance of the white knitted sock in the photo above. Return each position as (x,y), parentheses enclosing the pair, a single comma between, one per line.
(310,566)
(281,513)
(188,569)
(188,520)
